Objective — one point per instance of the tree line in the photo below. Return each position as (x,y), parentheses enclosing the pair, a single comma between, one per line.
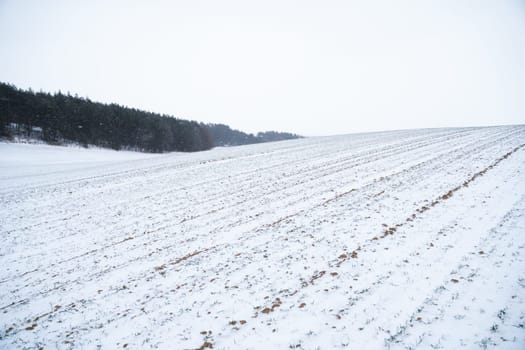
(61,118)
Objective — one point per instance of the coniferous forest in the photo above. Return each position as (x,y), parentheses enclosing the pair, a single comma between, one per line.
(61,118)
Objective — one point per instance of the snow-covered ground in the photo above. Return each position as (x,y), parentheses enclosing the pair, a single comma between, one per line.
(404,239)
(21,162)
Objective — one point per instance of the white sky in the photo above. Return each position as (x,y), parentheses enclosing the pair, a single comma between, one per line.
(310,67)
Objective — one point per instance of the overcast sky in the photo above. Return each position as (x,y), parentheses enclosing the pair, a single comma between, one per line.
(310,67)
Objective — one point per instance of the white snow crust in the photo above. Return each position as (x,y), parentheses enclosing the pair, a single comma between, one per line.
(403,240)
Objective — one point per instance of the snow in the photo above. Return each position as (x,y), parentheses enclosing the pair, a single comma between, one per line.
(21,160)
(403,239)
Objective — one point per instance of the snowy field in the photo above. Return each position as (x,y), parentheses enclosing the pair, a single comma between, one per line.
(405,239)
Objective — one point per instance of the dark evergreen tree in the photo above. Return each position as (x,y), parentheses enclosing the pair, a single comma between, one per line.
(60,118)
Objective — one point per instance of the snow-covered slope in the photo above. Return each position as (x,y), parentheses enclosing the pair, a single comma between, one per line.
(405,239)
